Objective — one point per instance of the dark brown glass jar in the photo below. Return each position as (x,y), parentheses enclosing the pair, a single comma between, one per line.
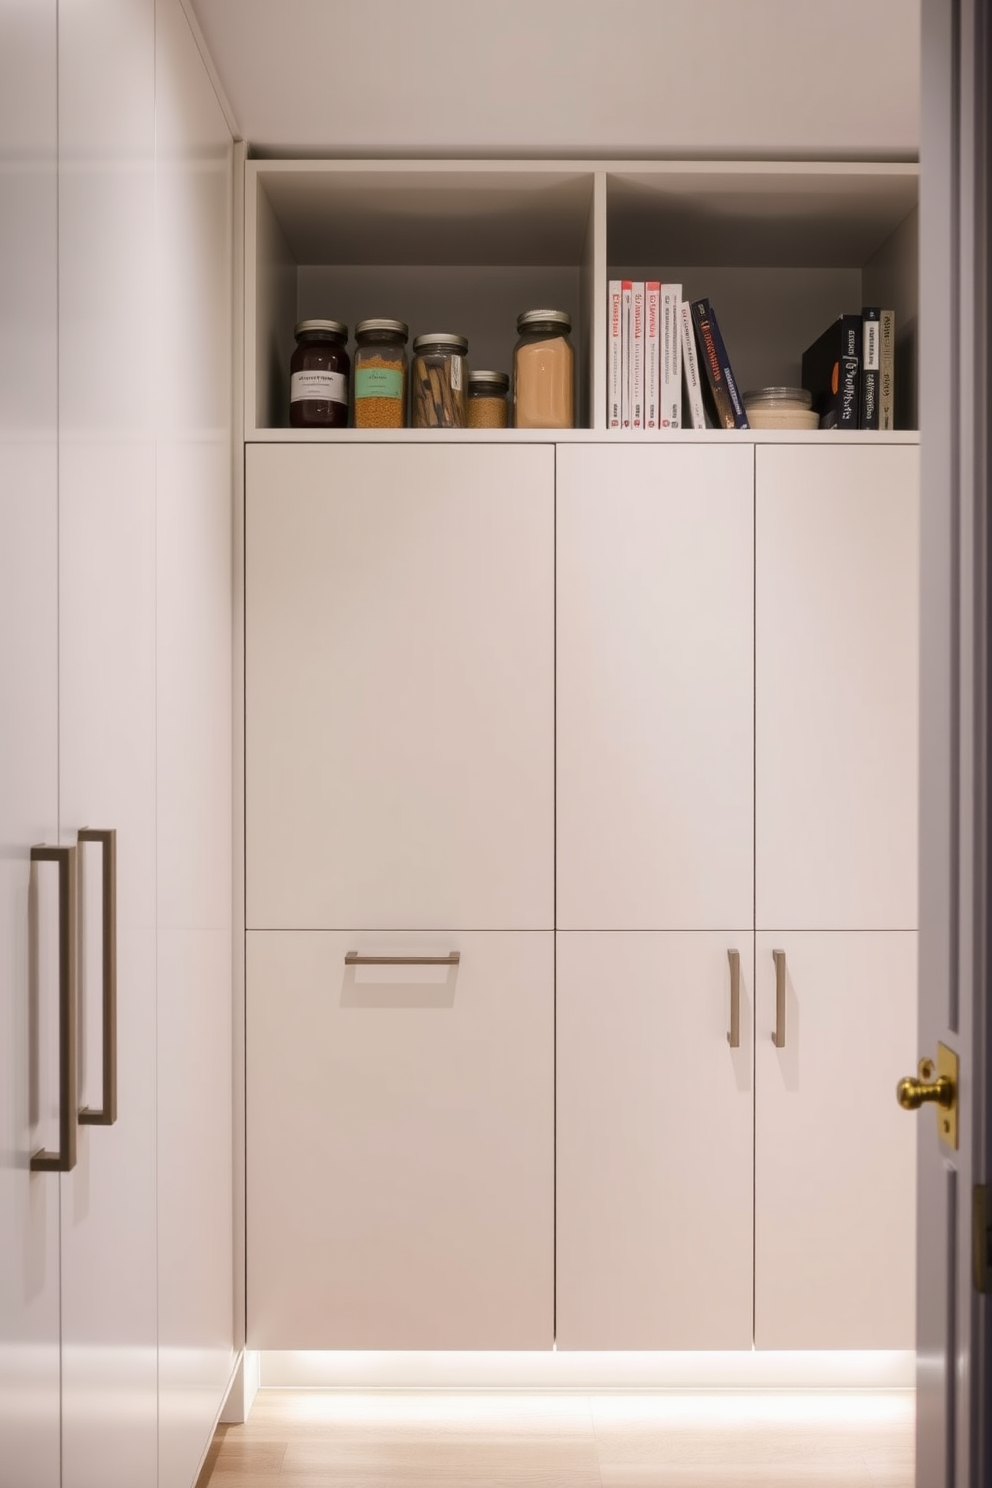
(320,371)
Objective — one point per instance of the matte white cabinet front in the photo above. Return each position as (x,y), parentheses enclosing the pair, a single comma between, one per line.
(655,800)
(836,712)
(835,1191)
(654,1142)
(400,1142)
(400,687)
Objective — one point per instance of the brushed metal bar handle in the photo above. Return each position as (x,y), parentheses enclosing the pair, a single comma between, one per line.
(107,1114)
(734,1036)
(354,959)
(778,1037)
(64,1160)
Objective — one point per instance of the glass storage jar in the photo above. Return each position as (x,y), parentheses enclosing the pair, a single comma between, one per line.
(487,400)
(380,375)
(319,372)
(439,378)
(544,371)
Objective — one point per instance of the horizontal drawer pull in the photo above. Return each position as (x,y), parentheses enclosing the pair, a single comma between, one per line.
(354,959)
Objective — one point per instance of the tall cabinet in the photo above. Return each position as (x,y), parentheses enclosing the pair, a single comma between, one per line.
(625,726)
(116,1324)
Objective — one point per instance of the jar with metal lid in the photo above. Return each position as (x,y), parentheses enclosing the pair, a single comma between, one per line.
(380,376)
(487,400)
(319,371)
(544,371)
(438,381)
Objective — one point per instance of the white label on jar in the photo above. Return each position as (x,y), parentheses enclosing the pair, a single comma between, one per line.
(324,387)
(456,374)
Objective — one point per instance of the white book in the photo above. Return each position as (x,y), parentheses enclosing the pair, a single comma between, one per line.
(690,369)
(626,331)
(652,353)
(887,370)
(671,357)
(637,355)
(614,365)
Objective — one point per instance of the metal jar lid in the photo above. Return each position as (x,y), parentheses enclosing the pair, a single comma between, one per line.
(496,383)
(329,327)
(444,341)
(394,327)
(797,395)
(527,320)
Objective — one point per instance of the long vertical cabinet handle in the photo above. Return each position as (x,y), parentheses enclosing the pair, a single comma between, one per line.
(778,1037)
(64,1160)
(734,1036)
(107,1114)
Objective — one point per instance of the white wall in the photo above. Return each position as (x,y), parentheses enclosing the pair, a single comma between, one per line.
(571,77)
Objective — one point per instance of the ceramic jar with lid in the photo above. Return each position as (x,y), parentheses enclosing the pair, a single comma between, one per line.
(319,370)
(544,371)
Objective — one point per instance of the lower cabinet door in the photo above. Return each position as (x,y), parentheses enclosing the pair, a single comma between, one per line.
(400,1133)
(835,1158)
(654,1141)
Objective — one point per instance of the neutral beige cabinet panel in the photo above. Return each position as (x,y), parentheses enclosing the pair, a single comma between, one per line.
(400,1142)
(400,686)
(654,1142)
(836,644)
(835,1191)
(655,687)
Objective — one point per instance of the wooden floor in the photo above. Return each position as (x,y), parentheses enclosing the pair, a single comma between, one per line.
(664,1439)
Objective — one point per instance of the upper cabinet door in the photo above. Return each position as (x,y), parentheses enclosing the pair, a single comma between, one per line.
(836,645)
(400,685)
(654,687)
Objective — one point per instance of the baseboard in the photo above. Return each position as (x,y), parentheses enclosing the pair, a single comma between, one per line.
(748,1369)
(243,1389)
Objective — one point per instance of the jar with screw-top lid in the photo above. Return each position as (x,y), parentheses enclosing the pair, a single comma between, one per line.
(380,375)
(438,381)
(544,371)
(319,370)
(487,400)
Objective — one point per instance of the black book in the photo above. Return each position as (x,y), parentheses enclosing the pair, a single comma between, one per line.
(718,382)
(832,373)
(871,341)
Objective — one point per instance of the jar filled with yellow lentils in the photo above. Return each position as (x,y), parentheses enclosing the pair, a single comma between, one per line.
(379,374)
(487,400)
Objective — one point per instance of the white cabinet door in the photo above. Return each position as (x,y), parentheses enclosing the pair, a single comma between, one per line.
(400,686)
(836,646)
(834,1155)
(107,626)
(654,687)
(194,581)
(654,1137)
(29,1201)
(400,1142)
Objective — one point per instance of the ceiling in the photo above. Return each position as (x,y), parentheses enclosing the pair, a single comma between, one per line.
(570,78)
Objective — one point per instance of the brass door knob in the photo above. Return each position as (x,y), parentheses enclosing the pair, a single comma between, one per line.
(936,1085)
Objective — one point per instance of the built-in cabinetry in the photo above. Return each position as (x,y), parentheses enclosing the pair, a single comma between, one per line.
(730,620)
(116,1289)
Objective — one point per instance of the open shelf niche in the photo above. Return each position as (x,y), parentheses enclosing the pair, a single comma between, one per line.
(780,249)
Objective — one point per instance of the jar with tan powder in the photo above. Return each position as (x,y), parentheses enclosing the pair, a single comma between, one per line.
(544,371)
(487,400)
(380,374)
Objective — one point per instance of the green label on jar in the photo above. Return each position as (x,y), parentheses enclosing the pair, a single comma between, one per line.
(378,382)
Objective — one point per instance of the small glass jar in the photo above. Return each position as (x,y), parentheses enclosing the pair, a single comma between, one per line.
(380,379)
(438,381)
(487,400)
(544,371)
(319,370)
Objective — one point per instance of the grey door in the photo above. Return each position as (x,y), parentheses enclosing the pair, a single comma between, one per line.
(954,1431)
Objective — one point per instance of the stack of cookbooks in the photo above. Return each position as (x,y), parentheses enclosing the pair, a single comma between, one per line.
(667,364)
(850,371)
